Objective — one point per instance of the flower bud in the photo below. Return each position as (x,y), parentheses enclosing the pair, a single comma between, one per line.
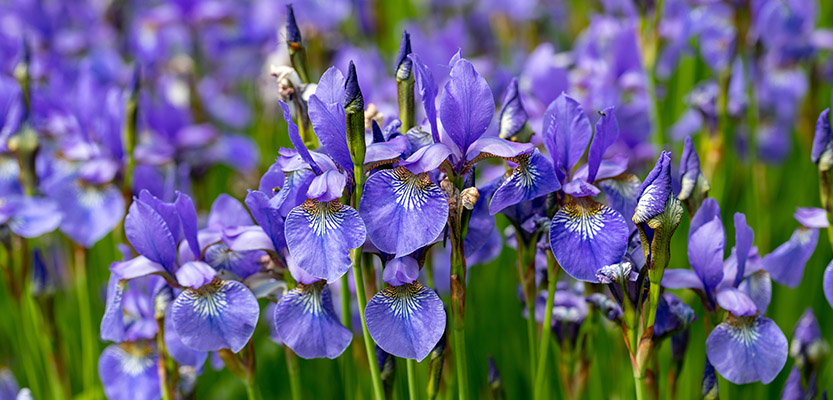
(695,187)
(513,117)
(297,52)
(354,112)
(822,156)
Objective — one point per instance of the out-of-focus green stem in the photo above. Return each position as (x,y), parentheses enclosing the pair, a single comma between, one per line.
(88,340)
(294,373)
(410,369)
(345,302)
(523,260)
(165,384)
(546,329)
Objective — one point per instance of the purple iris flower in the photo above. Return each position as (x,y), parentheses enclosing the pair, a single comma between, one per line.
(827,283)
(584,235)
(321,231)
(305,319)
(405,319)
(129,371)
(210,313)
(747,347)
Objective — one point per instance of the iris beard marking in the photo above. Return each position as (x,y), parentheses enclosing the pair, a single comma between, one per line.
(586,221)
(411,190)
(405,300)
(323,216)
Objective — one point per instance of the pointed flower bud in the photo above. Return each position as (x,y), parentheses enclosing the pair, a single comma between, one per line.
(657,215)
(695,187)
(822,156)
(297,52)
(405,81)
(513,116)
(403,63)
(354,112)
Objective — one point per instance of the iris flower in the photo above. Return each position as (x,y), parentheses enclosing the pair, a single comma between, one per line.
(747,347)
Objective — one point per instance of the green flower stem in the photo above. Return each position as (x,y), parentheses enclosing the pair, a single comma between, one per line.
(410,367)
(345,302)
(458,304)
(405,96)
(525,260)
(165,383)
(88,339)
(361,295)
(546,330)
(294,373)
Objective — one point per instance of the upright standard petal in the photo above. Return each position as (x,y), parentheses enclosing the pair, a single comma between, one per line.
(148,232)
(306,322)
(331,129)
(406,321)
(622,193)
(747,349)
(533,177)
(220,315)
(428,93)
(607,131)
(705,253)
(268,217)
(188,220)
(128,372)
(571,130)
(321,235)
(586,236)
(467,105)
(403,211)
(758,286)
(744,236)
(786,263)
(296,140)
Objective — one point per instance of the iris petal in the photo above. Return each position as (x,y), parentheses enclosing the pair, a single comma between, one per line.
(183,354)
(758,286)
(786,263)
(467,105)
(407,320)
(736,302)
(533,177)
(681,279)
(621,193)
(128,371)
(320,236)
(403,211)
(220,315)
(747,349)
(586,236)
(306,322)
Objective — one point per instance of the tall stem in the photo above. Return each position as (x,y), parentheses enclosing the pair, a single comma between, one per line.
(546,329)
(294,374)
(458,304)
(529,296)
(162,365)
(85,320)
(410,367)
